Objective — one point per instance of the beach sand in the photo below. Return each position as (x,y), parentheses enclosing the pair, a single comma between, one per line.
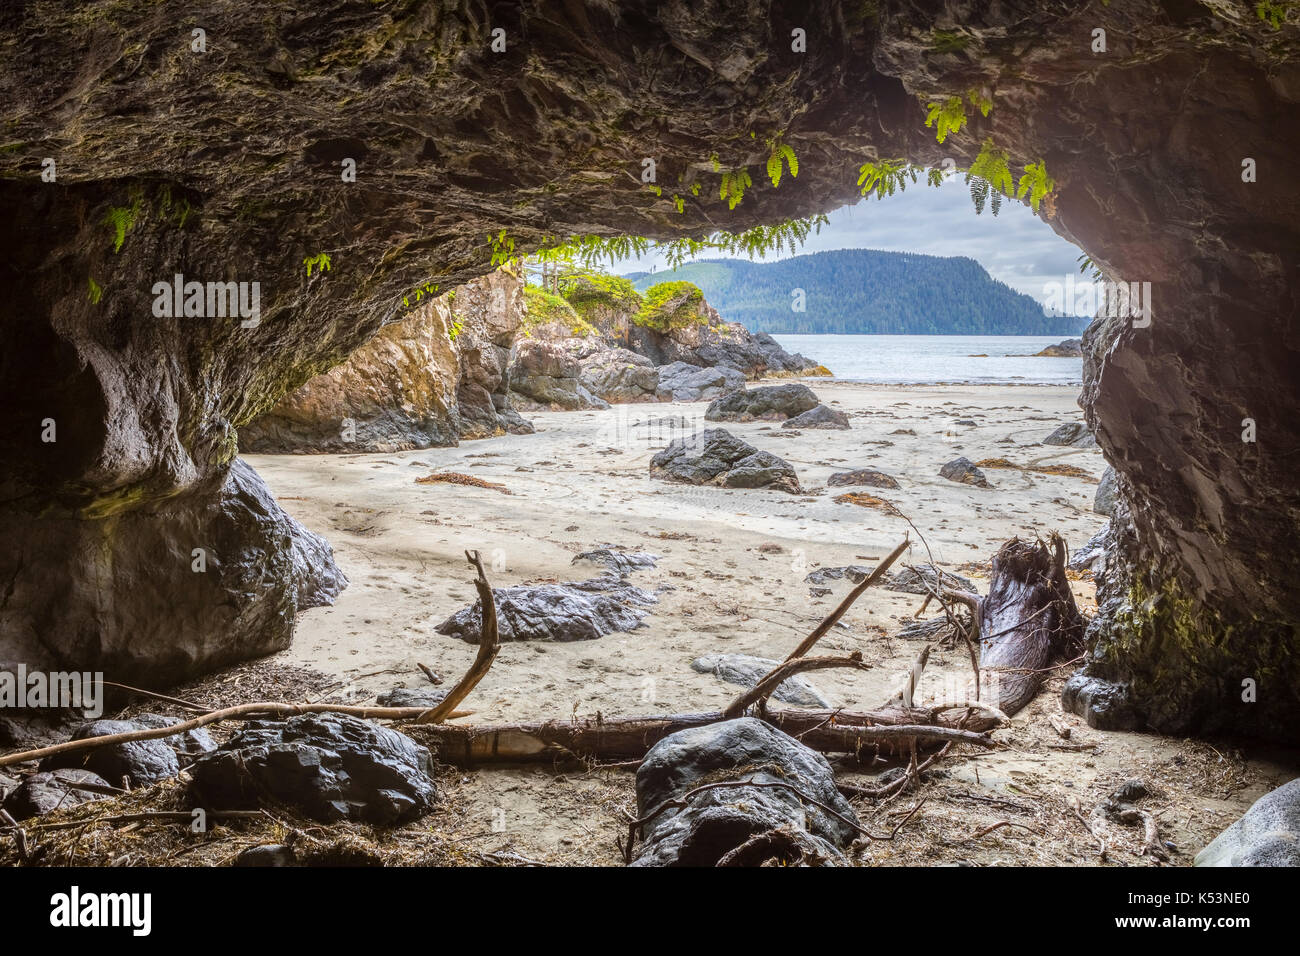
(731,580)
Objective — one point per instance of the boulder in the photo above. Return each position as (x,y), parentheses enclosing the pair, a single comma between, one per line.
(765,403)
(412,697)
(1092,556)
(329,766)
(1073,434)
(576,611)
(680,382)
(546,376)
(861,476)
(619,562)
(1104,503)
(963,471)
(717,457)
(1103,704)
(819,416)
(746,671)
(718,821)
(143,761)
(924,578)
(618,375)
(1268,834)
(43,792)
(855,573)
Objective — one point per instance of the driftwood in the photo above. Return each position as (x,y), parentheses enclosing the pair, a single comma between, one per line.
(773,679)
(488,646)
(887,732)
(1029,619)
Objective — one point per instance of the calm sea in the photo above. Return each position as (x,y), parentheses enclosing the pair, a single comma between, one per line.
(932,359)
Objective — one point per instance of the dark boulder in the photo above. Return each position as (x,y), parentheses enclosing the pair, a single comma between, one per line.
(1073,434)
(329,766)
(680,382)
(1092,556)
(1105,705)
(765,403)
(546,376)
(924,578)
(1104,503)
(1070,348)
(412,697)
(1268,834)
(820,416)
(717,457)
(854,572)
(619,562)
(963,471)
(51,790)
(747,671)
(717,821)
(143,761)
(576,611)
(861,476)
(618,375)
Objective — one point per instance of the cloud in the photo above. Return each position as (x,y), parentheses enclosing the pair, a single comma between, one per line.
(1015,246)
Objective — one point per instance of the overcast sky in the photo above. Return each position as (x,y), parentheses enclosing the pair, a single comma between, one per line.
(1016,247)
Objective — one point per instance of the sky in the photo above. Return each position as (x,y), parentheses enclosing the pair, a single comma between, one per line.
(1016,246)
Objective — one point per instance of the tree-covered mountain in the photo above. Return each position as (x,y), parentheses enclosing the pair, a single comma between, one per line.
(866,291)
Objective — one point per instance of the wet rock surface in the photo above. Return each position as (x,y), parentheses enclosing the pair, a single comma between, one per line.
(618,562)
(575,611)
(141,761)
(820,416)
(1074,434)
(1105,705)
(1268,834)
(50,790)
(717,457)
(861,476)
(963,471)
(1092,556)
(766,403)
(747,671)
(1104,502)
(718,821)
(329,766)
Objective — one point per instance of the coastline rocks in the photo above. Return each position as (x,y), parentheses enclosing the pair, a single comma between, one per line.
(717,457)
(854,572)
(861,476)
(1268,834)
(765,403)
(1103,704)
(330,766)
(1104,503)
(1070,348)
(143,761)
(1073,434)
(680,382)
(575,611)
(1092,556)
(963,471)
(617,375)
(819,416)
(747,671)
(546,376)
(45,791)
(412,697)
(715,822)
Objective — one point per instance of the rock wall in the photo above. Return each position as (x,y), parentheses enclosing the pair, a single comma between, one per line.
(225,165)
(428,379)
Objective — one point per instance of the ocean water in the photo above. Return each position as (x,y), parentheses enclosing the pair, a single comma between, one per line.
(935,359)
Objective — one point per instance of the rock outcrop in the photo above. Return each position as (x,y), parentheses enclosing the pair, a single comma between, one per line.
(574,611)
(768,403)
(1268,834)
(225,167)
(819,416)
(679,382)
(1070,348)
(546,377)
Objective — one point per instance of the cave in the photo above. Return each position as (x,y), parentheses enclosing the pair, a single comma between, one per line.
(134,151)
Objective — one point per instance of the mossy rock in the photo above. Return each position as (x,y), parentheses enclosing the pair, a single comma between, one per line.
(545,308)
(671,305)
(593,294)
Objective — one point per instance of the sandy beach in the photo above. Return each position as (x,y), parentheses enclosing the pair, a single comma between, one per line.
(730,579)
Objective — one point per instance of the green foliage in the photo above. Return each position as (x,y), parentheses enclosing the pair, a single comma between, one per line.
(670,305)
(503,248)
(852,291)
(456,327)
(1036,183)
(888,176)
(950,117)
(96,293)
(122,219)
(780,156)
(989,176)
(1272,12)
(321,261)
(544,307)
(734,184)
(589,291)
(413,297)
(1086,263)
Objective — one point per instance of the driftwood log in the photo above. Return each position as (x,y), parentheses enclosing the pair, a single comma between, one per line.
(886,733)
(1028,621)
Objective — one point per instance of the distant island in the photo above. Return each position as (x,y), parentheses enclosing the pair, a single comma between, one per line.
(860,291)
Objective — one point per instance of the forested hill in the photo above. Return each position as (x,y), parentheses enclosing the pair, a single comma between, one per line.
(866,290)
